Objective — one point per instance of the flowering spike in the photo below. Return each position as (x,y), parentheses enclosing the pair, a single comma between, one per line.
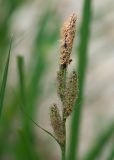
(67,37)
(57,123)
(70,95)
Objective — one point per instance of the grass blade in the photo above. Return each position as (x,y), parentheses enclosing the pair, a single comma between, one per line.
(83,46)
(100,143)
(4,80)
(26,127)
(20,63)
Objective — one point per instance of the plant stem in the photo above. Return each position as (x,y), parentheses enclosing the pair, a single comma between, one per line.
(63,147)
(63,152)
(83,57)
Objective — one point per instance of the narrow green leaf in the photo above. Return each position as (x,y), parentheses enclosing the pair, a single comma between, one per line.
(26,150)
(100,143)
(82,54)
(20,62)
(3,86)
(26,127)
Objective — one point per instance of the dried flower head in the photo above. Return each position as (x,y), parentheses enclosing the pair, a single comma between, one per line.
(70,95)
(67,37)
(57,124)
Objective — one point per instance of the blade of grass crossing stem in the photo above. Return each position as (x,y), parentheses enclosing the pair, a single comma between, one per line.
(83,47)
(3,86)
(20,61)
(46,131)
(100,143)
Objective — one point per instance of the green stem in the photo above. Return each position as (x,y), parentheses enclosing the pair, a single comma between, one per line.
(63,152)
(83,57)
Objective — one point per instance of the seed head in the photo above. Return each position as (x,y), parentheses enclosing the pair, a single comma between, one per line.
(57,123)
(70,95)
(67,37)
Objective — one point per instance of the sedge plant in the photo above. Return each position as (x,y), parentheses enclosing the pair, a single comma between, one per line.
(67,87)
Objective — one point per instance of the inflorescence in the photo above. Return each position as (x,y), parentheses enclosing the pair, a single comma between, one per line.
(67,89)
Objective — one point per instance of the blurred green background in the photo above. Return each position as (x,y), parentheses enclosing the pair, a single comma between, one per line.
(35,26)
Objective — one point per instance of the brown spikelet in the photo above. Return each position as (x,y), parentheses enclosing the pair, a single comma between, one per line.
(57,124)
(67,37)
(70,95)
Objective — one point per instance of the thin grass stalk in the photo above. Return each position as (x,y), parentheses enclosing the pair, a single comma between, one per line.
(63,157)
(3,86)
(83,46)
